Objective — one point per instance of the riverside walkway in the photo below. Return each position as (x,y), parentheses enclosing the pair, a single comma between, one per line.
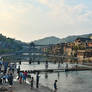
(24,87)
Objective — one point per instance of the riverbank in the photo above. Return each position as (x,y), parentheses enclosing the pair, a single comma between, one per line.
(24,87)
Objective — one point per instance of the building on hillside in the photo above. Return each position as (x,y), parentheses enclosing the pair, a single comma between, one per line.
(68,49)
(56,49)
(90,36)
(89,44)
(84,55)
(82,41)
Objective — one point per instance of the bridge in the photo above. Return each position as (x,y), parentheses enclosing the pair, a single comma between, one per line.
(35,57)
(35,54)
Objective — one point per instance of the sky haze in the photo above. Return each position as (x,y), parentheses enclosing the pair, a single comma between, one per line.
(29,20)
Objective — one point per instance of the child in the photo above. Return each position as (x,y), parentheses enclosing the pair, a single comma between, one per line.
(55,86)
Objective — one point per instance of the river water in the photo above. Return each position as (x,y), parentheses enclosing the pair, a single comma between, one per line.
(77,81)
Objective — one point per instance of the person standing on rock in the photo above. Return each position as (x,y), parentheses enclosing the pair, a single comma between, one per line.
(37,80)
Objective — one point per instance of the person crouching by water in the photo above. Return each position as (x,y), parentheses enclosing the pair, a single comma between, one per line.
(55,86)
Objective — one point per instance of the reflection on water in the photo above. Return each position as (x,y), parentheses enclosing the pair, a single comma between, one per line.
(59,65)
(69,81)
(78,81)
(46,75)
(10,89)
(66,73)
(46,65)
(58,75)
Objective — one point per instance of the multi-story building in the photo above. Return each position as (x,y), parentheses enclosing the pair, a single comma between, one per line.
(84,55)
(84,52)
(81,49)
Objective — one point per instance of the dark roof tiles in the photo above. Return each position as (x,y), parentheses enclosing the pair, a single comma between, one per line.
(84,39)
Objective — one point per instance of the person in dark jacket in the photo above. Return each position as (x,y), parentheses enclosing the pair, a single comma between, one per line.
(11,79)
(0,81)
(55,86)
(37,80)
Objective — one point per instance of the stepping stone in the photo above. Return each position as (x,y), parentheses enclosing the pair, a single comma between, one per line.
(2,89)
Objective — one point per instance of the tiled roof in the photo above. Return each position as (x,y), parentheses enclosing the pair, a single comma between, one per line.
(84,39)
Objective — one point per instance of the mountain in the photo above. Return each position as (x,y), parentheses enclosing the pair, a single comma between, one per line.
(12,45)
(55,40)
(9,45)
(72,38)
(47,40)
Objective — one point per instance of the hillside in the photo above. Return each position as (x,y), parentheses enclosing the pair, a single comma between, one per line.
(12,45)
(72,38)
(55,40)
(9,45)
(48,40)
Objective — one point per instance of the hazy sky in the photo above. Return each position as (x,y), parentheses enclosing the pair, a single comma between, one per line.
(28,20)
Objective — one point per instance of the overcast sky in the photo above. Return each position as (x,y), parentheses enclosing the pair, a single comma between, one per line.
(29,20)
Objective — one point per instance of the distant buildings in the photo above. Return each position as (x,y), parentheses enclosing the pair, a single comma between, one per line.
(84,55)
(81,49)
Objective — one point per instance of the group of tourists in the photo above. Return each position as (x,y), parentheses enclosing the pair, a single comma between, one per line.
(7,78)
(22,76)
(6,74)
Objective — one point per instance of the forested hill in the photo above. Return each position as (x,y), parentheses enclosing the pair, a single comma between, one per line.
(55,40)
(48,40)
(12,45)
(73,37)
(8,45)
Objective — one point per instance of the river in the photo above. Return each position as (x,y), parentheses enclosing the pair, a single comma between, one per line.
(76,81)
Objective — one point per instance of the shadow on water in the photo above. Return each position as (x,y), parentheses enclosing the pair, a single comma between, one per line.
(66,74)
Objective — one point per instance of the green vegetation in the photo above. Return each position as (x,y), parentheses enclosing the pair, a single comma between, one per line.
(8,45)
(79,47)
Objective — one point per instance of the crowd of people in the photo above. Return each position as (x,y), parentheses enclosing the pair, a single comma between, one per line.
(22,76)
(7,75)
